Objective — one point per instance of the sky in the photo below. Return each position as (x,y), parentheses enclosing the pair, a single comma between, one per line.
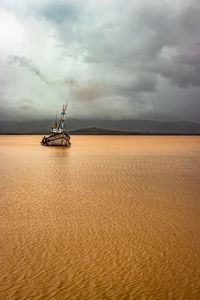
(119,59)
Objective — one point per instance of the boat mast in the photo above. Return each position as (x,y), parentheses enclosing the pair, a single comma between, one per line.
(62,117)
(56,121)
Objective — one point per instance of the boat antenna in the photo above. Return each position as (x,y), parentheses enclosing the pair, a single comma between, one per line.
(66,105)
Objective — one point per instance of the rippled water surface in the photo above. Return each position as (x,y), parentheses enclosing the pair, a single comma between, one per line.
(112,217)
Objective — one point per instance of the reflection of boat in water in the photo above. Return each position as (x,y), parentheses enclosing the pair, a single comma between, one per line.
(58,136)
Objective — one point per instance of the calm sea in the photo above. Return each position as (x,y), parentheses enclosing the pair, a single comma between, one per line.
(112,217)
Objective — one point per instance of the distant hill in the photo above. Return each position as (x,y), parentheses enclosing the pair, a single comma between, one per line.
(98,131)
(135,126)
(101,131)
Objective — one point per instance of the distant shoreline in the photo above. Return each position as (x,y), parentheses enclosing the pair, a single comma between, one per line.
(101,131)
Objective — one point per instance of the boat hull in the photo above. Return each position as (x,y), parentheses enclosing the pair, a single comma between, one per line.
(60,139)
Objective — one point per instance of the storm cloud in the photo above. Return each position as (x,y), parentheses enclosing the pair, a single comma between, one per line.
(111,59)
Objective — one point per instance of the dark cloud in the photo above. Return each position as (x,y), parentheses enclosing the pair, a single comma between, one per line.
(24,62)
(60,11)
(143,82)
(92,90)
(26,104)
(143,39)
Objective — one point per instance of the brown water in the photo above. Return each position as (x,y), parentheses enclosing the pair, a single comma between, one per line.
(112,217)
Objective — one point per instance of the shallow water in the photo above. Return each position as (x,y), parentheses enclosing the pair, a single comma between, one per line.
(112,217)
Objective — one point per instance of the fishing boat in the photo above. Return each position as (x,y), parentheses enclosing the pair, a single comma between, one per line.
(58,136)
